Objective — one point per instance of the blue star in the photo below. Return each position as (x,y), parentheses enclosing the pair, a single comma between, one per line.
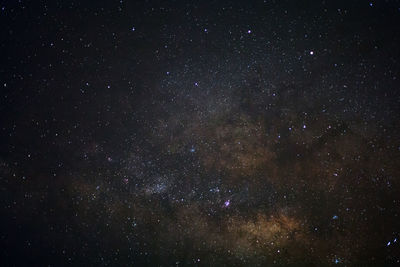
(227,203)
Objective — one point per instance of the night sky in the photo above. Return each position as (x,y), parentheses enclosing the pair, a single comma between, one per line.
(200,133)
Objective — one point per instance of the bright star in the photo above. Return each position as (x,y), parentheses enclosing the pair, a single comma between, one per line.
(227,203)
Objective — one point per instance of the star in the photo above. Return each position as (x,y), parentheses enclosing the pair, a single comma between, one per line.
(227,203)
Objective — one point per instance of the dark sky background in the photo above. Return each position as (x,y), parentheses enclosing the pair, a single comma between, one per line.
(205,133)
